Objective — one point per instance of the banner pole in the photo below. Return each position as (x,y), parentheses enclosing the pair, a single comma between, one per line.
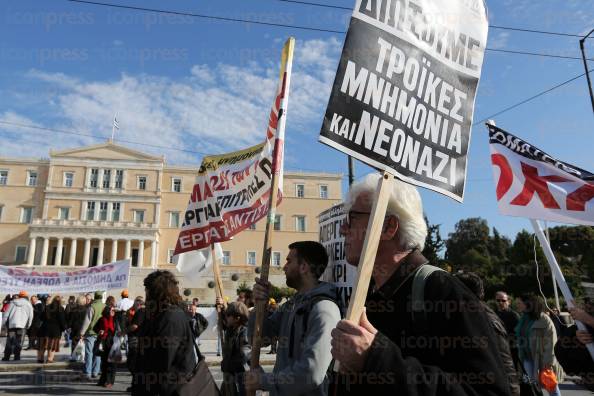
(555,269)
(552,273)
(218,291)
(287,61)
(370,246)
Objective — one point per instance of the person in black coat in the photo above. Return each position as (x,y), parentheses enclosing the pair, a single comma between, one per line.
(51,330)
(166,354)
(75,320)
(38,303)
(434,343)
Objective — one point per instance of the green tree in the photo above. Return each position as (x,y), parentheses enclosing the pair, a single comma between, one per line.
(472,233)
(434,244)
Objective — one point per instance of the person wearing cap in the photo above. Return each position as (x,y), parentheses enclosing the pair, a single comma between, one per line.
(18,318)
(92,358)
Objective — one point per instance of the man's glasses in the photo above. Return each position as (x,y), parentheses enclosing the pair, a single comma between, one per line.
(499,300)
(350,214)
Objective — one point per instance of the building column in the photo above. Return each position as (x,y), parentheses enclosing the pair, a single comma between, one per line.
(59,248)
(100,253)
(153,254)
(114,250)
(140,253)
(31,253)
(72,255)
(87,253)
(128,249)
(44,250)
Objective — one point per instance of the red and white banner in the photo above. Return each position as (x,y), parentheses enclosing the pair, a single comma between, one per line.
(232,190)
(532,184)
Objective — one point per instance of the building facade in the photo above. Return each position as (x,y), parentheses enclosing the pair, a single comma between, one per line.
(94,205)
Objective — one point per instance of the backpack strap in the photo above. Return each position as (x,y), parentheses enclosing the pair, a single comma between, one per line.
(418,289)
(304,312)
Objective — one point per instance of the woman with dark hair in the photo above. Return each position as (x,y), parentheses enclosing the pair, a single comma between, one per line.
(536,339)
(75,322)
(166,350)
(54,324)
(106,332)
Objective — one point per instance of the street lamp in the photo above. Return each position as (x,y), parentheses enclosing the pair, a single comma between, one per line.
(582,40)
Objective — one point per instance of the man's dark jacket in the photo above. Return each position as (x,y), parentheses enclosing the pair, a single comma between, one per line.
(449,349)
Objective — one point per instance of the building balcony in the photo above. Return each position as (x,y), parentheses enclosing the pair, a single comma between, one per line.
(91,223)
(54,228)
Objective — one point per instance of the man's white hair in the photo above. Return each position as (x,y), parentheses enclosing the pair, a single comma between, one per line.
(404,203)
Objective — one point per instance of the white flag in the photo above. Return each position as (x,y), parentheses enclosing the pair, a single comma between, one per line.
(195,263)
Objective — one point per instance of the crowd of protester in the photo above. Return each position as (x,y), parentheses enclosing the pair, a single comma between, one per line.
(424,331)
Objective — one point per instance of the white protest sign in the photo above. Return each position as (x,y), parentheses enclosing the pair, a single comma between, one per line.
(46,280)
(403,96)
(338,272)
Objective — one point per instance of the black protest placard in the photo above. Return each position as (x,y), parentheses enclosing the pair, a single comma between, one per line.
(404,92)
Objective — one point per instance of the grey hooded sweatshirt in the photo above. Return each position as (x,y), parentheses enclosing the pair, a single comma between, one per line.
(302,370)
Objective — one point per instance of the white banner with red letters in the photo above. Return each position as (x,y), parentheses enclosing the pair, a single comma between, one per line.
(232,190)
(46,280)
(533,184)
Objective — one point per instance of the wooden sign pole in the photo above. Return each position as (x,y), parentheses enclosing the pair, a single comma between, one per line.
(370,246)
(218,289)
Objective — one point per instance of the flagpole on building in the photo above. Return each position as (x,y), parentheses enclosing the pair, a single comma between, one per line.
(114,126)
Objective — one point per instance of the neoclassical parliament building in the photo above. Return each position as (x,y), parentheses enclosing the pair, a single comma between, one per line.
(93,205)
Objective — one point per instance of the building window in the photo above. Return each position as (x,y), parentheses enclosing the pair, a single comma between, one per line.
(142,182)
(300,223)
(277,222)
(26,215)
(90,210)
(31,178)
(94,178)
(3,177)
(324,192)
(226,257)
(115,211)
(176,184)
(103,211)
(139,216)
(68,179)
(251,258)
(1,207)
(170,256)
(299,190)
(174,219)
(106,177)
(276,259)
(252,226)
(20,254)
(64,213)
(119,178)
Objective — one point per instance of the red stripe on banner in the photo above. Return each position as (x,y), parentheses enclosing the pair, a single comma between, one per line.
(537,184)
(506,175)
(223,230)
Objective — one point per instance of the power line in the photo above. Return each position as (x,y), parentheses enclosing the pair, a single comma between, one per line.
(226,19)
(76,133)
(533,54)
(531,98)
(524,30)
(21,139)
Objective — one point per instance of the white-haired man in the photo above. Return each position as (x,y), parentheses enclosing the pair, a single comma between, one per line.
(423,332)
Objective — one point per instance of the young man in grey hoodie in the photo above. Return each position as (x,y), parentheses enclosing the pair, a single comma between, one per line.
(302,325)
(18,319)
